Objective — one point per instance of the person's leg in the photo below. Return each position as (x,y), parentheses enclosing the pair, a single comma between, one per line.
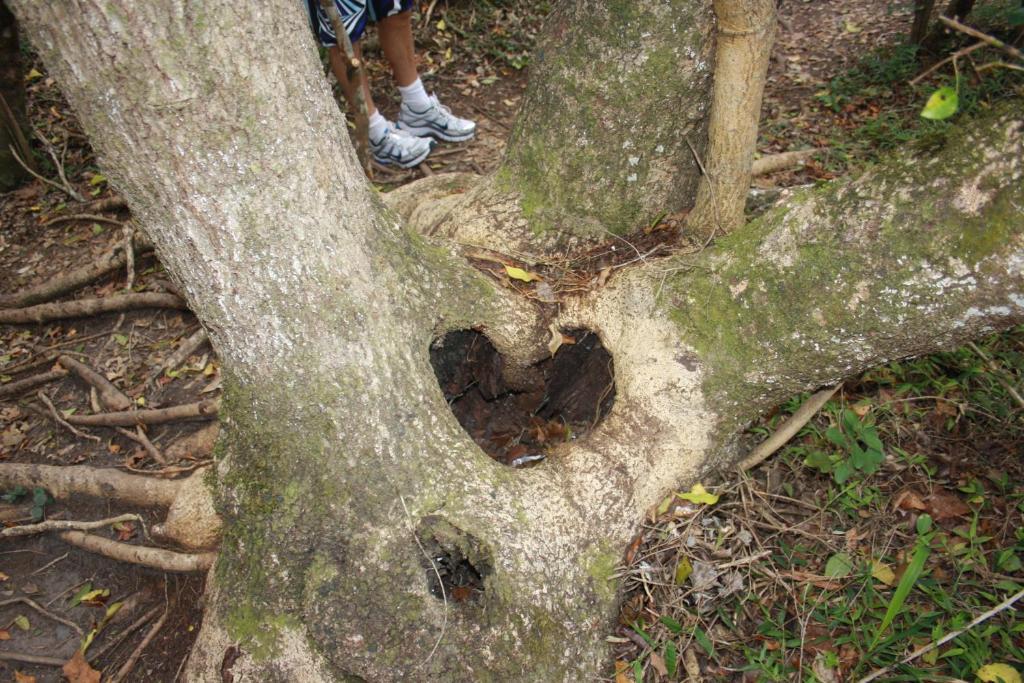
(395,34)
(339,67)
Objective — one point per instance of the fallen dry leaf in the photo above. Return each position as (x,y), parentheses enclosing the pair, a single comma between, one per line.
(622,672)
(23,678)
(942,504)
(77,670)
(909,499)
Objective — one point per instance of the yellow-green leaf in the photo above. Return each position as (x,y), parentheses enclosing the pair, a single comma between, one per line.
(683,571)
(941,105)
(883,572)
(33,75)
(663,507)
(441,25)
(97,179)
(993,673)
(698,494)
(520,274)
(21,621)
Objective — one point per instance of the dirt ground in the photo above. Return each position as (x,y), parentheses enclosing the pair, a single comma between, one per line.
(475,60)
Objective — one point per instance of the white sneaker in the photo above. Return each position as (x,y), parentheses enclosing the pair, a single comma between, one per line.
(400,148)
(437,121)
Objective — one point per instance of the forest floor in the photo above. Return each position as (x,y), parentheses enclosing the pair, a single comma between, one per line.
(818,565)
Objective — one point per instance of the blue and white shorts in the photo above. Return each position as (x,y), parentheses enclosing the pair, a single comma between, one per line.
(354,15)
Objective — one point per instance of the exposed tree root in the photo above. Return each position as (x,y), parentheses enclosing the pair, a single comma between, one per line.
(157,558)
(114,259)
(23,385)
(81,308)
(110,396)
(191,519)
(65,525)
(30,659)
(128,418)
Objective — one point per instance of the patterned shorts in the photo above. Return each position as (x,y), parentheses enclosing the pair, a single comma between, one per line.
(354,14)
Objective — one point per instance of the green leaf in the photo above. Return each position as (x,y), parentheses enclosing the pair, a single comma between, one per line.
(839,566)
(819,460)
(698,494)
(638,671)
(1016,17)
(97,179)
(671,659)
(80,593)
(672,625)
(702,639)
(870,437)
(842,472)
(924,524)
(941,105)
(520,274)
(683,571)
(21,621)
(907,581)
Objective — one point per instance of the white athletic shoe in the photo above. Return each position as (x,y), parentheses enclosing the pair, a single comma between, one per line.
(400,148)
(437,121)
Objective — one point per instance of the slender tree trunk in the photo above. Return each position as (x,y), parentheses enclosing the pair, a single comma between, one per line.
(745,33)
(922,19)
(14,128)
(342,473)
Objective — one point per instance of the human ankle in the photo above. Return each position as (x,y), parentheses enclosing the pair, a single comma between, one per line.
(414,95)
(378,126)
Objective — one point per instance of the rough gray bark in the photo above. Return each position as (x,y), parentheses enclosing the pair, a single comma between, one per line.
(339,454)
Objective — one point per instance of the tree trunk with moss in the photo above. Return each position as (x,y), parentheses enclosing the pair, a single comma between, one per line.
(341,471)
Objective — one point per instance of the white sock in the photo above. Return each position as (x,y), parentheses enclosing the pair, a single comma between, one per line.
(414,95)
(378,125)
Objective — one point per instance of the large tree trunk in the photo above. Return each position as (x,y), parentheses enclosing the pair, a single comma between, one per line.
(342,472)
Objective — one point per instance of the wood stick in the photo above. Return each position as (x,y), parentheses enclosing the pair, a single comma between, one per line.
(14,128)
(956,55)
(14,388)
(788,429)
(110,396)
(30,659)
(81,308)
(783,160)
(134,626)
(69,191)
(62,422)
(96,482)
(127,667)
(181,354)
(115,203)
(203,409)
(65,525)
(975,33)
(83,217)
(1005,604)
(139,437)
(356,75)
(157,558)
(39,608)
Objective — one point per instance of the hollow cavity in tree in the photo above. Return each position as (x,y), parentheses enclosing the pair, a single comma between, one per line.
(518,416)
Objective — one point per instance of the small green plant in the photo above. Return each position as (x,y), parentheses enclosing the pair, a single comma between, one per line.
(40,499)
(861,449)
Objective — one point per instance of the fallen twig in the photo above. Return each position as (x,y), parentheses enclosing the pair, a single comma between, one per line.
(50,564)
(139,437)
(1004,605)
(157,558)
(30,659)
(110,396)
(997,372)
(129,418)
(963,52)
(22,385)
(96,218)
(975,33)
(39,608)
(62,422)
(65,525)
(127,667)
(114,203)
(181,354)
(72,280)
(67,190)
(81,308)
(14,129)
(788,429)
(58,162)
(781,161)
(131,628)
